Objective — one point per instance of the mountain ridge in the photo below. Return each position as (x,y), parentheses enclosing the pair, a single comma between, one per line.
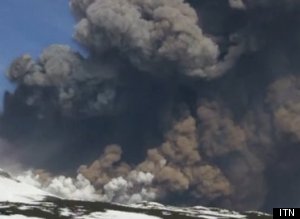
(19,200)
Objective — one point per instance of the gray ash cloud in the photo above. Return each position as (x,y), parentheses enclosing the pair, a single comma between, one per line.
(201,96)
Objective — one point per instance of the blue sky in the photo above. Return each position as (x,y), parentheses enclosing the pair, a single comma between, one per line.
(28,26)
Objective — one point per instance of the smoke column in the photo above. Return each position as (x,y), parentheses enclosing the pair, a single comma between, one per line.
(184,102)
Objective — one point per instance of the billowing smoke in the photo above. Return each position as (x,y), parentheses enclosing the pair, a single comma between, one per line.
(160,37)
(66,73)
(150,34)
(185,102)
(61,186)
(132,189)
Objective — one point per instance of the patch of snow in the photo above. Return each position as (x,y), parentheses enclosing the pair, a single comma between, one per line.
(110,214)
(15,191)
(17,216)
(196,211)
(258,213)
(213,214)
(66,212)
(24,208)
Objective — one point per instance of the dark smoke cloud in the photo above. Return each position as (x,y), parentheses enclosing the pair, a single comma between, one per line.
(89,87)
(160,37)
(196,99)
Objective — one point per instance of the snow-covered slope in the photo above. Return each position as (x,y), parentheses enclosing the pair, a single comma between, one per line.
(19,200)
(14,191)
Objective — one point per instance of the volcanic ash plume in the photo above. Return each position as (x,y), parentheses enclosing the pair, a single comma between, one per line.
(74,82)
(185,102)
(160,37)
